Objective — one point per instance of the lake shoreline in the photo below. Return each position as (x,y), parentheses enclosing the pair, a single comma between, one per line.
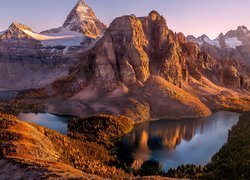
(192,125)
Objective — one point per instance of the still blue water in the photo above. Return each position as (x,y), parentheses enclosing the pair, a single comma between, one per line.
(175,142)
(58,123)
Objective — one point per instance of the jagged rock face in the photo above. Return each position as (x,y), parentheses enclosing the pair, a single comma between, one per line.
(123,46)
(81,19)
(134,48)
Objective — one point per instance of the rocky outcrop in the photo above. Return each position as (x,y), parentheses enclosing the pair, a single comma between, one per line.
(134,48)
(101,128)
(81,19)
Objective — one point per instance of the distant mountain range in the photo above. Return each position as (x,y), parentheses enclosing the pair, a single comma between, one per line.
(235,44)
(232,39)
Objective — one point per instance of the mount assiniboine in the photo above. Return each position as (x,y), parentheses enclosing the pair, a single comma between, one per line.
(82,20)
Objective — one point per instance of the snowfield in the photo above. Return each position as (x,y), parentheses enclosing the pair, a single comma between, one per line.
(212,42)
(62,38)
(233,42)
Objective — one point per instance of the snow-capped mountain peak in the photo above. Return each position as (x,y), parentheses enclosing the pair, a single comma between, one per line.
(82,20)
(82,7)
(240,33)
(80,13)
(16,31)
(204,39)
(243,29)
(232,39)
(19,26)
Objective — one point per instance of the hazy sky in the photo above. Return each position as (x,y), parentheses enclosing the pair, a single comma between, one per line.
(187,16)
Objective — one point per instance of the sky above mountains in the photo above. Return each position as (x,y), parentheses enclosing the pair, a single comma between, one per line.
(188,16)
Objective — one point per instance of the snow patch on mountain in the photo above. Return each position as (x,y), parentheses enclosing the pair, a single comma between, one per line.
(233,42)
(57,39)
(212,42)
(232,39)
(74,41)
(63,32)
(41,37)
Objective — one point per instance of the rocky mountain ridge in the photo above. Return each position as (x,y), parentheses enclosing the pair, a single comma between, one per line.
(232,39)
(233,45)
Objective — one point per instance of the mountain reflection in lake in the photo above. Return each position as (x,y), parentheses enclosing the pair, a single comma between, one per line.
(176,142)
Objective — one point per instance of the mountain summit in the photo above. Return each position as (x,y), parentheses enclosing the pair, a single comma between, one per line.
(16,31)
(242,33)
(81,19)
